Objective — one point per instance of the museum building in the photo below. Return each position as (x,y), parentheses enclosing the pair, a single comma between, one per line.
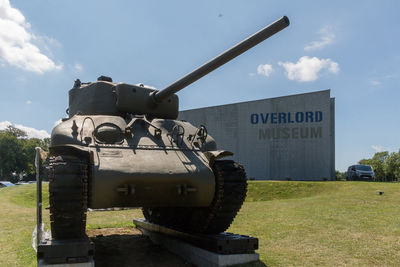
(283,138)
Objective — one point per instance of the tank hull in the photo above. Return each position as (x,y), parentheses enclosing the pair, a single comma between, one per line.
(139,169)
(126,177)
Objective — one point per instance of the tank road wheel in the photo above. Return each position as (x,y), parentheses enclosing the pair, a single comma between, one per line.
(230,193)
(68,180)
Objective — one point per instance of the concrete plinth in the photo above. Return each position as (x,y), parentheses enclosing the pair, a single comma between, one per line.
(90,263)
(197,256)
(74,252)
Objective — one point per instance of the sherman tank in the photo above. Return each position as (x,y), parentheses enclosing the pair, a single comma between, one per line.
(122,146)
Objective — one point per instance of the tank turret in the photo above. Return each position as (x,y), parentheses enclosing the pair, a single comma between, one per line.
(121,146)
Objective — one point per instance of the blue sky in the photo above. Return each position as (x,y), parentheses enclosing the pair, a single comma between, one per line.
(350,47)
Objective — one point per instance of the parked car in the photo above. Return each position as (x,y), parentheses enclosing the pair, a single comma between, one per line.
(6,184)
(360,173)
(21,183)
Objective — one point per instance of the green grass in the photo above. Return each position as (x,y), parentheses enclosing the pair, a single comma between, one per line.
(297,223)
(16,225)
(338,224)
(26,196)
(18,220)
(273,190)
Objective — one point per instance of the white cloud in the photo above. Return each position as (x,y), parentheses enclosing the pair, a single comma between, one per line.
(375,82)
(327,37)
(307,69)
(4,124)
(265,70)
(47,43)
(16,47)
(31,132)
(28,102)
(380,81)
(379,148)
(78,67)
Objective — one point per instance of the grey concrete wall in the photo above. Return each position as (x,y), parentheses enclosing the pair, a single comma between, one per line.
(278,138)
(333,139)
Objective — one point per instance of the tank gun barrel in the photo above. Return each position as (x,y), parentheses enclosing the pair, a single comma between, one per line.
(223,58)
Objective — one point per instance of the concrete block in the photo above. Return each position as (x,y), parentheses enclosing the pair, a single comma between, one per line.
(197,256)
(90,263)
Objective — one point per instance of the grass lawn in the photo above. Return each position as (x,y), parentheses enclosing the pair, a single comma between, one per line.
(297,223)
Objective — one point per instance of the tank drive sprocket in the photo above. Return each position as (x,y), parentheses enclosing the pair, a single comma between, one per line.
(230,193)
(68,179)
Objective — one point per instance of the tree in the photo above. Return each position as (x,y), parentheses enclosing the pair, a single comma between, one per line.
(340,176)
(17,154)
(10,161)
(386,166)
(392,166)
(45,143)
(18,133)
(28,156)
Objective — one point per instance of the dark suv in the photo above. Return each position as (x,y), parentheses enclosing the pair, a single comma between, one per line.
(360,173)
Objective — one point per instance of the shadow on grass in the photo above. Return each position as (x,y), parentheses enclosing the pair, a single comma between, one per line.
(138,250)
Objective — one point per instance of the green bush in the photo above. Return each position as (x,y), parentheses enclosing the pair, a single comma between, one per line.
(386,166)
(340,176)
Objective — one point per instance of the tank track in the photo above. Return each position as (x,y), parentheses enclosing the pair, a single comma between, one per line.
(230,193)
(68,179)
